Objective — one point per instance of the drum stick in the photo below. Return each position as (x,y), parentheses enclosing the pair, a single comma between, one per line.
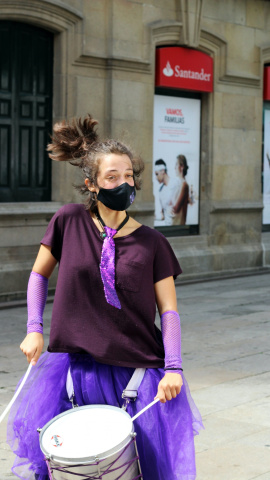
(144,409)
(16,394)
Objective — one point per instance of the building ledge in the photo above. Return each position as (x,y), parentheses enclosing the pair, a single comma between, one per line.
(238,206)
(220,275)
(29,208)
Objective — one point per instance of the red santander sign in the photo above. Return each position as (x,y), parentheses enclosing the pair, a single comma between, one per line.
(184,68)
(266,83)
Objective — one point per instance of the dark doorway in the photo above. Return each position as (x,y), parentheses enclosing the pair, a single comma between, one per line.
(26,67)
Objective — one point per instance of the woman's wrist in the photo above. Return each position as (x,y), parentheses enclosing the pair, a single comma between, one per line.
(173,370)
(34,328)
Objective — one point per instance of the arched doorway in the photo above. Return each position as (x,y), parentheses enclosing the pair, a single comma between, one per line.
(26,68)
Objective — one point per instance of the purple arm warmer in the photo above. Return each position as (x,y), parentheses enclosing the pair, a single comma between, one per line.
(37,292)
(171,334)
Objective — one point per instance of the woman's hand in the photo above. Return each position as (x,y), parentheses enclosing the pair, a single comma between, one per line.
(169,387)
(32,347)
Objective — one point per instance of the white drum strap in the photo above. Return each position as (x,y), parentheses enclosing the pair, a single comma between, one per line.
(129,394)
(131,391)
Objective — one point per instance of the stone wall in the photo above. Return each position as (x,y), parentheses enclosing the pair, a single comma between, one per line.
(104,63)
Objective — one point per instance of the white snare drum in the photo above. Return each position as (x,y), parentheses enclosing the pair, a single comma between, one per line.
(90,442)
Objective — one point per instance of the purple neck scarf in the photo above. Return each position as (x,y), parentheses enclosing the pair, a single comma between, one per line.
(107,267)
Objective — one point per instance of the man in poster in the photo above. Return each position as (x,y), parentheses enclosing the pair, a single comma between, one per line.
(169,193)
(163,179)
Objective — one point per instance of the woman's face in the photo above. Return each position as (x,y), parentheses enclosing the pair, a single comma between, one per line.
(179,167)
(114,170)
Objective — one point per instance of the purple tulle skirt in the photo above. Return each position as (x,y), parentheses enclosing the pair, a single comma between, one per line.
(165,432)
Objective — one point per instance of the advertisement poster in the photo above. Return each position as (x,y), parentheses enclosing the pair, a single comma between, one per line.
(176,160)
(266,169)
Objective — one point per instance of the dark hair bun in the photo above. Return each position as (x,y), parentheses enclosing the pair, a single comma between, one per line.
(71,140)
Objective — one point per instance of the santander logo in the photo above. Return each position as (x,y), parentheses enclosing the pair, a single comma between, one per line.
(168,71)
(190,74)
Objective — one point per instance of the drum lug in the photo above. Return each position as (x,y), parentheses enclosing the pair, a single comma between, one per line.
(133,434)
(39,430)
(73,400)
(97,460)
(128,398)
(125,404)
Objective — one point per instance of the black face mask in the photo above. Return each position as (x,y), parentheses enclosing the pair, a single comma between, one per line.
(118,198)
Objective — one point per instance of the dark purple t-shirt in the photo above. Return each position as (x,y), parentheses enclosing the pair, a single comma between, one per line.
(82,320)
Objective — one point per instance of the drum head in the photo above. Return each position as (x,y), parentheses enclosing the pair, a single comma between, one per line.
(84,433)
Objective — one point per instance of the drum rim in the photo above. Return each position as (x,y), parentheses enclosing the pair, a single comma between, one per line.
(91,459)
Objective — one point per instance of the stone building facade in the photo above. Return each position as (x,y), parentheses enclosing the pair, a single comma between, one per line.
(104,63)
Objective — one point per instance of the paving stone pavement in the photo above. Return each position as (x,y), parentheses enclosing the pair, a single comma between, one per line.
(226,353)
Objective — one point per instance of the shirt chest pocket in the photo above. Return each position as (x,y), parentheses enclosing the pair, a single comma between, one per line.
(129,275)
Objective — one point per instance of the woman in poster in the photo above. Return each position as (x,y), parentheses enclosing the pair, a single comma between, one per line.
(179,208)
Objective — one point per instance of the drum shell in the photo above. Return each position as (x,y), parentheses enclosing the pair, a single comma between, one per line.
(88,465)
(88,469)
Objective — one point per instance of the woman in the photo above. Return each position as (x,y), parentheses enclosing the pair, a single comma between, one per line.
(112,273)
(180,206)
